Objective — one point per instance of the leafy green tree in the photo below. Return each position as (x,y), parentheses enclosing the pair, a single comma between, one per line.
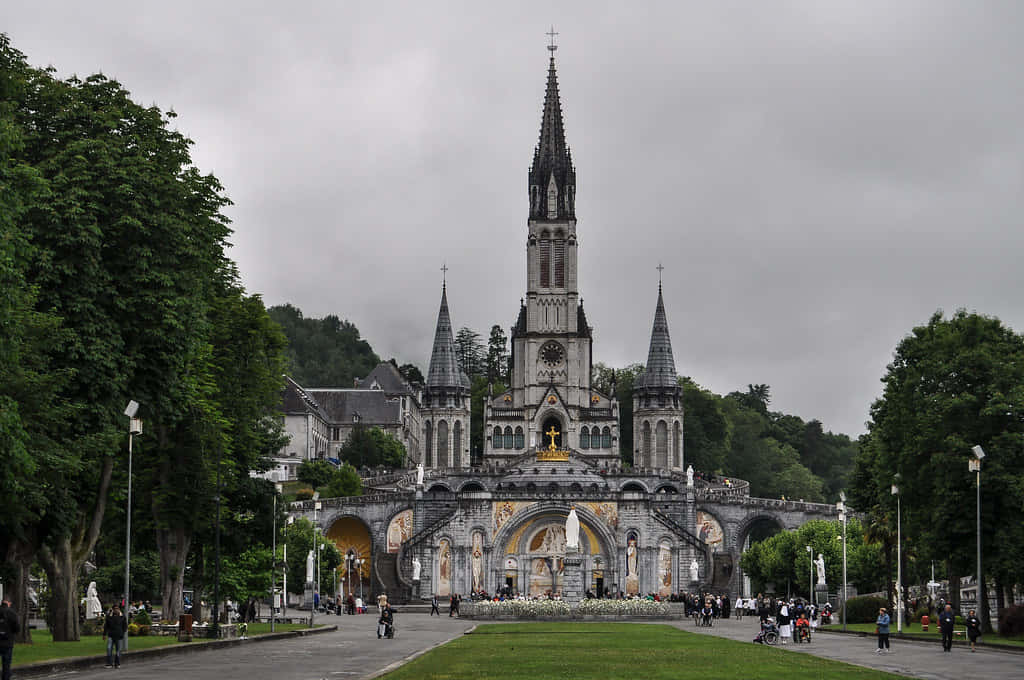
(497,355)
(412,375)
(953,383)
(324,352)
(316,473)
(705,431)
(299,538)
(370,447)
(481,388)
(344,482)
(619,383)
(472,356)
(246,575)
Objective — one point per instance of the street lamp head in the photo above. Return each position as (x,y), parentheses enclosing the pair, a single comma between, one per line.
(132,408)
(316,495)
(895,490)
(979,452)
(808,548)
(842,496)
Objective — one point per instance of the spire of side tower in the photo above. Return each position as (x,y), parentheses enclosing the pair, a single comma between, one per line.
(444,359)
(661,367)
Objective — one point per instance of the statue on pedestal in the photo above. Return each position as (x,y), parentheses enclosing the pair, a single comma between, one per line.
(309,567)
(416,567)
(419,474)
(689,476)
(694,569)
(93,607)
(572,530)
(820,564)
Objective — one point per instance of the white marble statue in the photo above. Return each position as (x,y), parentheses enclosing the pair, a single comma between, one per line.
(572,529)
(820,564)
(93,607)
(694,568)
(419,474)
(689,475)
(416,567)
(309,567)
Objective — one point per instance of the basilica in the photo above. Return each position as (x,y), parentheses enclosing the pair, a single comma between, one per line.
(551,444)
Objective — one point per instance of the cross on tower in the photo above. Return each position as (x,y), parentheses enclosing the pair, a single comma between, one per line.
(444,274)
(660,269)
(552,47)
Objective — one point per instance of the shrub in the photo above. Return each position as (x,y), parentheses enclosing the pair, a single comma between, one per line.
(864,609)
(143,629)
(1011,621)
(303,494)
(921,611)
(142,618)
(133,629)
(93,626)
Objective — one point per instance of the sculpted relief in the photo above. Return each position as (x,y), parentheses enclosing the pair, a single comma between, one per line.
(399,530)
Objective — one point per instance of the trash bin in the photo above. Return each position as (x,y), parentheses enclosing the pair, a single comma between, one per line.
(924,623)
(185,628)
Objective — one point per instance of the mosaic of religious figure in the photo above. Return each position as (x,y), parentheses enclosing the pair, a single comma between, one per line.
(664,569)
(549,541)
(444,570)
(607,512)
(399,530)
(632,566)
(503,512)
(478,561)
(709,530)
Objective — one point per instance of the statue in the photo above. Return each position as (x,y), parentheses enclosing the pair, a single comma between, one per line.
(416,566)
(93,607)
(820,564)
(309,567)
(572,530)
(694,569)
(419,474)
(689,476)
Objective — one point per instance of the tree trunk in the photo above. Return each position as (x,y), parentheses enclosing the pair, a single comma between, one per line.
(19,556)
(173,545)
(986,620)
(954,585)
(62,573)
(1000,597)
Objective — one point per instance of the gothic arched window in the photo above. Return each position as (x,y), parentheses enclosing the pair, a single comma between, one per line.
(661,445)
(442,444)
(606,438)
(544,261)
(585,438)
(558,264)
(519,438)
(457,444)
(496,440)
(429,439)
(677,443)
(645,443)
(509,444)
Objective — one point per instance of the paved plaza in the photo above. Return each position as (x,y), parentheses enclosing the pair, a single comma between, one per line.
(353,652)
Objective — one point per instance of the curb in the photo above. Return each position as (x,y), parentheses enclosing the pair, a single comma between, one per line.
(77,663)
(401,662)
(996,646)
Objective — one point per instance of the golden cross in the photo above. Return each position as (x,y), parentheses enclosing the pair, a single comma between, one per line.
(552,433)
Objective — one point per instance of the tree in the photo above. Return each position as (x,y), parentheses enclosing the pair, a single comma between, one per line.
(299,538)
(706,431)
(497,355)
(316,473)
(344,482)
(324,352)
(370,447)
(412,375)
(472,356)
(619,384)
(953,383)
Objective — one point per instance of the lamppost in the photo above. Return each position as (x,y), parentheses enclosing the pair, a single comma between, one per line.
(316,554)
(810,580)
(349,559)
(134,427)
(841,506)
(359,575)
(899,557)
(284,561)
(974,465)
(273,562)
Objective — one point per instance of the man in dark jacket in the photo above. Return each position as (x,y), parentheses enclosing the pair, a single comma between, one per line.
(114,630)
(947,619)
(9,627)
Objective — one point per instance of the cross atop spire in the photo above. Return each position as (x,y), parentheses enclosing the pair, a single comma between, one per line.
(444,275)
(551,34)
(660,270)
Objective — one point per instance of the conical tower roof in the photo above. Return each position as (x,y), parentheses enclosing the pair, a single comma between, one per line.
(444,359)
(552,157)
(661,366)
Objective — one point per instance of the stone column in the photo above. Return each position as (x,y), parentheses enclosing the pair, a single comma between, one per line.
(572,576)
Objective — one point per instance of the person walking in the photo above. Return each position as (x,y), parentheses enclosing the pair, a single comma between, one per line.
(973,628)
(882,623)
(9,627)
(453,605)
(947,620)
(114,630)
(433,606)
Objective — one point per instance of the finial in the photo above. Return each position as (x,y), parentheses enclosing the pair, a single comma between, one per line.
(660,270)
(552,47)
(444,275)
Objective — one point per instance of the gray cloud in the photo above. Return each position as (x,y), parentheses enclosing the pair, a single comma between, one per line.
(817,177)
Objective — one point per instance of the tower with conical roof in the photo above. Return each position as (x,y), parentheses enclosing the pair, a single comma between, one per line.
(549,397)
(657,402)
(446,399)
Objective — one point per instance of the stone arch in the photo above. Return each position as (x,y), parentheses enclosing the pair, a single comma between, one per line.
(661,445)
(439,488)
(471,485)
(667,489)
(604,536)
(552,418)
(497,442)
(758,523)
(351,534)
(634,485)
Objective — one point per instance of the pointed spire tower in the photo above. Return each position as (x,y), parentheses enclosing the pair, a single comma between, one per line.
(445,399)
(552,177)
(657,401)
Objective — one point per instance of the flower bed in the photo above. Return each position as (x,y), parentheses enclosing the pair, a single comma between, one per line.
(559,609)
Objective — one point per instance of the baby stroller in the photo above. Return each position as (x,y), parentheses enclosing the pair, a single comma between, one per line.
(803,632)
(769,634)
(386,624)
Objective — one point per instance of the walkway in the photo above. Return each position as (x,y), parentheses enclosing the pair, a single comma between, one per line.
(911,658)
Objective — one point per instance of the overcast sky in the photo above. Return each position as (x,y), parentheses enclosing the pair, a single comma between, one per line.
(816,177)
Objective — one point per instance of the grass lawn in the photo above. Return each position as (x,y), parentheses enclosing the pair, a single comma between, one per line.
(614,650)
(43,648)
(914,629)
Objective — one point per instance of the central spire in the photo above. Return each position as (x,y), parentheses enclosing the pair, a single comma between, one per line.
(552,178)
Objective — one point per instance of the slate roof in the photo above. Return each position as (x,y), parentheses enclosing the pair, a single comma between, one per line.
(552,156)
(444,359)
(296,400)
(388,378)
(660,370)
(374,407)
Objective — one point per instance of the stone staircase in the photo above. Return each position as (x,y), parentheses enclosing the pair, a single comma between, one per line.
(679,530)
(386,567)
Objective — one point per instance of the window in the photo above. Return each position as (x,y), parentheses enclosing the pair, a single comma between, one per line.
(545,260)
(442,444)
(677,441)
(585,438)
(496,440)
(457,444)
(552,198)
(559,262)
(645,447)
(520,442)
(508,438)
(606,438)
(661,445)
(429,438)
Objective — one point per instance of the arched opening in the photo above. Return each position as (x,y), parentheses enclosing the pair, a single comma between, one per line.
(634,486)
(509,443)
(496,439)
(645,446)
(351,537)
(551,425)
(757,530)
(677,443)
(661,445)
(606,438)
(442,444)
(585,438)
(457,444)
(667,489)
(471,486)
(429,439)
(519,443)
